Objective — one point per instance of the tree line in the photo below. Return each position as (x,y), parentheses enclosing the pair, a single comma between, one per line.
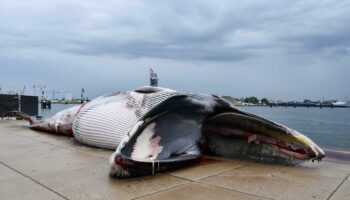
(255,100)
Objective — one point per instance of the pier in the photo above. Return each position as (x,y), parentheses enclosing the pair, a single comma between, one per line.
(308,105)
(19,102)
(39,165)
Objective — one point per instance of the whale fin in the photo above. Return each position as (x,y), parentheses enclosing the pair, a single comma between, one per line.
(22,115)
(164,137)
(169,136)
(164,143)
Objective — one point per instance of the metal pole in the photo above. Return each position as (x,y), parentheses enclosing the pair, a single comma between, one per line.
(19,102)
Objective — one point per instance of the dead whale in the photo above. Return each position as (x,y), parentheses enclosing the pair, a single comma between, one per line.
(158,129)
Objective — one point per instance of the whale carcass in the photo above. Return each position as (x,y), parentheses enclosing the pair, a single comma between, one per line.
(158,129)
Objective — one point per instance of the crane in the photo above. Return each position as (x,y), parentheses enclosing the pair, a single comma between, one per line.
(39,86)
(53,93)
(24,89)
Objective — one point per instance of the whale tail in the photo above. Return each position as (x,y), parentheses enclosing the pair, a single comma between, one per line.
(21,115)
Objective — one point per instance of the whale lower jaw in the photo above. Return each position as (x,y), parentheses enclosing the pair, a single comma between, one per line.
(241,149)
(117,170)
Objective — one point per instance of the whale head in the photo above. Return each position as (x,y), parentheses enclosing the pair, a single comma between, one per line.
(179,130)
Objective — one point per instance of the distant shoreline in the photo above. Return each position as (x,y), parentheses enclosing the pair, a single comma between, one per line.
(241,105)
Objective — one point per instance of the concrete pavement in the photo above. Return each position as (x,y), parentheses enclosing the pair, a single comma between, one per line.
(38,165)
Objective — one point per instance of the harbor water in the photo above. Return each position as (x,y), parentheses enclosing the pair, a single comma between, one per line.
(330,128)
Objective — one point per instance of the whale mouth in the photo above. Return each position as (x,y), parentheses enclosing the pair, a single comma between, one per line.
(178,131)
(232,134)
(123,166)
(249,136)
(146,151)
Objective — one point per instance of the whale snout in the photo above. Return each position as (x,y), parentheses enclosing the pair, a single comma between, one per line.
(179,130)
(318,154)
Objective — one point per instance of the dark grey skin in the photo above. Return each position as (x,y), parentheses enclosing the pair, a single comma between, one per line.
(184,127)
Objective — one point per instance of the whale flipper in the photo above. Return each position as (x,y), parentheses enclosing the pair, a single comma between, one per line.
(163,143)
(169,135)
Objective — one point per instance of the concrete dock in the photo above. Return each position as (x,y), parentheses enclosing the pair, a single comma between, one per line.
(38,165)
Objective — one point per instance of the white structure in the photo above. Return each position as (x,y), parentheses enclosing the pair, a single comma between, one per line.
(339,103)
(68,97)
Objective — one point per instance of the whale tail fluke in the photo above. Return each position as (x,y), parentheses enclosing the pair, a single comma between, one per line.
(21,115)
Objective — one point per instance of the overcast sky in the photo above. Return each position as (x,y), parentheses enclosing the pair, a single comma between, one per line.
(289,50)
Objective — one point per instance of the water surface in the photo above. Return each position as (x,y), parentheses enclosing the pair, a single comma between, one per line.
(329,128)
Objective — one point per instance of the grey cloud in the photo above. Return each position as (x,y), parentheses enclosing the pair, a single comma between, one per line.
(198,30)
(242,47)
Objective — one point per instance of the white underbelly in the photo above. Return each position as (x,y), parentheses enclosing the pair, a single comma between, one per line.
(104,121)
(104,125)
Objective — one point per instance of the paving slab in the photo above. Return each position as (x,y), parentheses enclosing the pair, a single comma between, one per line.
(276,182)
(197,191)
(343,192)
(56,160)
(207,166)
(15,186)
(12,146)
(324,168)
(101,153)
(57,140)
(21,129)
(44,137)
(95,183)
